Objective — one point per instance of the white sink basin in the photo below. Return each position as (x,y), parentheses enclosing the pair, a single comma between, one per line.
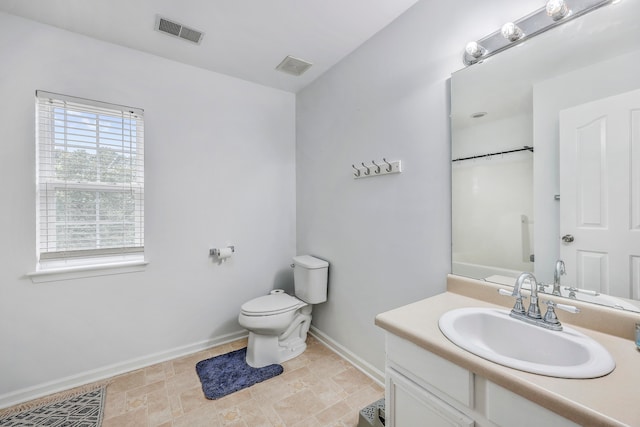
(494,335)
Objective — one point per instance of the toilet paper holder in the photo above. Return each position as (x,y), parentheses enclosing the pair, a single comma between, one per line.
(216,251)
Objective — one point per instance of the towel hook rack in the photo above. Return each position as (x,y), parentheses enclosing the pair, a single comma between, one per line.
(378,169)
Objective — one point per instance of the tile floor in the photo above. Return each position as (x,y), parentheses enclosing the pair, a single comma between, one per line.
(318,388)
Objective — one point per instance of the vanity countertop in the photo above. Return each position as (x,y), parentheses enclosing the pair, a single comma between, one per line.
(611,400)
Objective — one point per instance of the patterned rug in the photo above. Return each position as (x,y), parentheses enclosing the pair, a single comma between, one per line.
(227,373)
(77,410)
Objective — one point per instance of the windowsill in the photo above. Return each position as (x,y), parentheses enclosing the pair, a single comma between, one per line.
(70,272)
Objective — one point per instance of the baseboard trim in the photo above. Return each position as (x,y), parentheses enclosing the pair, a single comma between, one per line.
(100,374)
(365,367)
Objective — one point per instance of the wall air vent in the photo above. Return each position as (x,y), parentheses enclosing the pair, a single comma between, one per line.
(175,29)
(293,66)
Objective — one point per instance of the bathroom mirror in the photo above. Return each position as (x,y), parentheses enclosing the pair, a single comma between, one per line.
(519,188)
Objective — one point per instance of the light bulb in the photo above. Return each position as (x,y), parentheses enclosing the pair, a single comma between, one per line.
(557,9)
(511,32)
(474,50)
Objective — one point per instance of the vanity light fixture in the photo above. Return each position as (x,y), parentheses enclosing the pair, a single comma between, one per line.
(511,32)
(554,13)
(557,9)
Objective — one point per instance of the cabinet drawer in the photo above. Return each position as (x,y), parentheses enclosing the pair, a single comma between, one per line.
(505,408)
(410,405)
(426,368)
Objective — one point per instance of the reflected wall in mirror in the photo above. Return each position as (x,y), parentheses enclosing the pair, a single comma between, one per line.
(573,95)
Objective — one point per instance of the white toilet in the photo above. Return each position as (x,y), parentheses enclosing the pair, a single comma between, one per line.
(278,323)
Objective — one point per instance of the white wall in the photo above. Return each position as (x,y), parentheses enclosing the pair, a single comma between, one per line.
(220,168)
(387,238)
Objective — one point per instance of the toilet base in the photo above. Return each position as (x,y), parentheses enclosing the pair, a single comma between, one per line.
(263,350)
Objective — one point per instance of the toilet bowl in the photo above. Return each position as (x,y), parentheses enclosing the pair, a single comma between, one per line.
(278,323)
(278,326)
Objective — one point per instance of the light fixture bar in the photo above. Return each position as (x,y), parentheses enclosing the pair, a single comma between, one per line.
(530,26)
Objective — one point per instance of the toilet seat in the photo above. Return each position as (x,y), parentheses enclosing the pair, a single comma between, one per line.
(271,304)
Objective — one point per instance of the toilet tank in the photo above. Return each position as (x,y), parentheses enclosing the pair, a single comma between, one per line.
(310,276)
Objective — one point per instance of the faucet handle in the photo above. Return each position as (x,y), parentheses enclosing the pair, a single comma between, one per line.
(582,291)
(506,293)
(570,308)
(518,307)
(550,317)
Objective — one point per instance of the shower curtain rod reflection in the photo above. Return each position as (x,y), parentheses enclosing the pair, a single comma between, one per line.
(479,156)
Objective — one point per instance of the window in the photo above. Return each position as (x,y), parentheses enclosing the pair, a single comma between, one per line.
(90,179)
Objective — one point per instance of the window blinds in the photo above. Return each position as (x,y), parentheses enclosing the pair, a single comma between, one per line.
(90,177)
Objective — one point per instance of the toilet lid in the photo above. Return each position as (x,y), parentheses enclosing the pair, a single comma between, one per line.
(271,304)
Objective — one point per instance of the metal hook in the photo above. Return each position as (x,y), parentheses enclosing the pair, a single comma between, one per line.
(368,169)
(376,165)
(357,173)
(389,168)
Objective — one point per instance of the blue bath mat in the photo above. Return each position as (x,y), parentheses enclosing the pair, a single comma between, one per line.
(227,373)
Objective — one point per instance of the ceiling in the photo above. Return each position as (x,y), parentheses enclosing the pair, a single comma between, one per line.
(243,38)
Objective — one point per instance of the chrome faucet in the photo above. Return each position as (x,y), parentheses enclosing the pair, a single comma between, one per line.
(532,315)
(534,308)
(559,271)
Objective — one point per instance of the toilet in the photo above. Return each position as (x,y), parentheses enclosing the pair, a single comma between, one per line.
(278,323)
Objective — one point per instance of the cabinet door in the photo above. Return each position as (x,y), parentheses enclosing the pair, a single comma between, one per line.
(409,405)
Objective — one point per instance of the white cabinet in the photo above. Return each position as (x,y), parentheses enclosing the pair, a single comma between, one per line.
(412,405)
(423,389)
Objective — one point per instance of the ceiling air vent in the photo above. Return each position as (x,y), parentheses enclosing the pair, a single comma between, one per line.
(175,29)
(293,66)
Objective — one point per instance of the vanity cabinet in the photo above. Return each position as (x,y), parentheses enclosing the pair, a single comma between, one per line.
(423,389)
(413,405)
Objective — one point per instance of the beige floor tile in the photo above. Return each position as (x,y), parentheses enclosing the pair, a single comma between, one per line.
(329,393)
(308,422)
(349,420)
(238,344)
(298,407)
(332,413)
(204,416)
(158,408)
(175,405)
(296,362)
(187,363)
(145,389)
(130,419)
(316,389)
(127,381)
(155,373)
(351,380)
(269,392)
(182,382)
(363,397)
(115,403)
(192,399)
(234,398)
